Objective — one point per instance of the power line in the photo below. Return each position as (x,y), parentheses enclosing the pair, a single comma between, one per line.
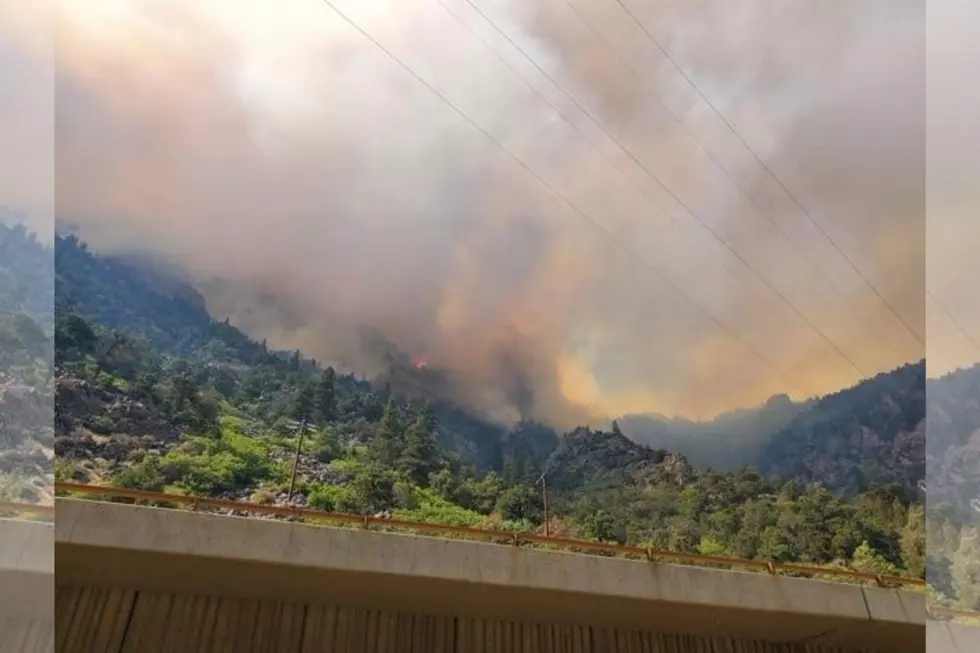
(718,238)
(734,182)
(953,321)
(555,192)
(823,232)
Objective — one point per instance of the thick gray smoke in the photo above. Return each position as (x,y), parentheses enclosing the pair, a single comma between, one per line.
(501,217)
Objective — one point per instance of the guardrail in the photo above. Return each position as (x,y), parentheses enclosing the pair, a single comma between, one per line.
(22,508)
(941,612)
(514,538)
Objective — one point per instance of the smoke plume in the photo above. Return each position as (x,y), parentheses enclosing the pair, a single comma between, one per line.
(552,213)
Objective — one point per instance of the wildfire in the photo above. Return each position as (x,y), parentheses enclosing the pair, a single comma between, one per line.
(421,363)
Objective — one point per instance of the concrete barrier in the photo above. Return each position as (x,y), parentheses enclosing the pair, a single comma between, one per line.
(26,586)
(167,552)
(952,637)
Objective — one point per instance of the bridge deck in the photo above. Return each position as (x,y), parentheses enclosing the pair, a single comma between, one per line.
(166,571)
(26,586)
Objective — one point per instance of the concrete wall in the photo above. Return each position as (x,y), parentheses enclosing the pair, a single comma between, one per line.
(162,553)
(949,637)
(26,586)
(123,621)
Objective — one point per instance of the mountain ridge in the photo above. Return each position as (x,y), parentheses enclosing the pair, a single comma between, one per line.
(154,393)
(780,437)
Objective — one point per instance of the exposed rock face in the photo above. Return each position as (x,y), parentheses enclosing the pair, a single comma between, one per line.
(611,458)
(83,405)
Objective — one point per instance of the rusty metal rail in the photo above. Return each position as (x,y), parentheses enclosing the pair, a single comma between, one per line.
(22,508)
(515,538)
(942,612)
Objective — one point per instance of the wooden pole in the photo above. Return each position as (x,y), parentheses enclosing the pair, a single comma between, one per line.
(544,496)
(292,478)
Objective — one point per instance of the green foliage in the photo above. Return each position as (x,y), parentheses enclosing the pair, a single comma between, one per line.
(913,541)
(388,443)
(219,408)
(304,404)
(330,498)
(26,365)
(144,475)
(374,489)
(828,443)
(521,502)
(326,396)
(326,446)
(711,547)
(431,508)
(602,527)
(419,457)
(868,560)
(213,466)
(965,568)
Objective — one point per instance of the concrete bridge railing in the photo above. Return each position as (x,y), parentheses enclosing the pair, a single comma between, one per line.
(352,579)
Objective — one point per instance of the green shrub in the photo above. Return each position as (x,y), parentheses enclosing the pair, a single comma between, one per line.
(233,462)
(144,475)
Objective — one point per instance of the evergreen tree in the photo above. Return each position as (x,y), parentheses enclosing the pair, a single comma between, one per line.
(419,457)
(520,502)
(374,489)
(602,526)
(965,569)
(913,542)
(326,396)
(304,404)
(387,446)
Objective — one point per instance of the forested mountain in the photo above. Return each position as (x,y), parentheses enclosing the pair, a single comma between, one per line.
(953,485)
(871,434)
(868,435)
(154,393)
(26,373)
(727,442)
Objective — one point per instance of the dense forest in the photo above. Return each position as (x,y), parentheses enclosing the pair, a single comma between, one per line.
(154,393)
(26,366)
(868,435)
(953,487)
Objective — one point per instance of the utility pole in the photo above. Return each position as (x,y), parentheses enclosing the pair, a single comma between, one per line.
(544,497)
(543,479)
(299,447)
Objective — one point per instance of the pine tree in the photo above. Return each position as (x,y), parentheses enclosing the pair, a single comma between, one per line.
(387,446)
(965,569)
(304,404)
(913,541)
(302,412)
(419,457)
(326,396)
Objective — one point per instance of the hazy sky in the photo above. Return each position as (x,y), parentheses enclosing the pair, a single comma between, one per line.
(534,193)
(27,66)
(953,191)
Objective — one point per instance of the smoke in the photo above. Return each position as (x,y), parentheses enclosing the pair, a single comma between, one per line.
(27,115)
(312,186)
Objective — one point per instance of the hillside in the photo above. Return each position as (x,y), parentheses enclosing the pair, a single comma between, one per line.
(727,442)
(871,434)
(868,435)
(953,486)
(26,374)
(153,393)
